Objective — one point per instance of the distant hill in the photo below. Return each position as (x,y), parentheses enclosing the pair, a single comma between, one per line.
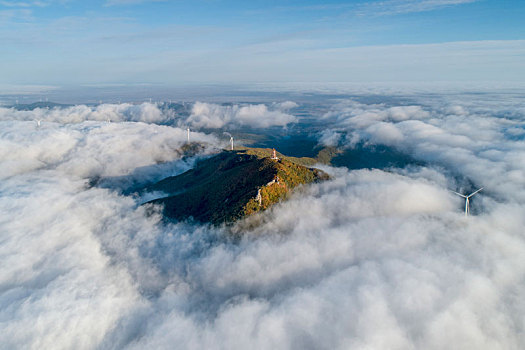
(232,185)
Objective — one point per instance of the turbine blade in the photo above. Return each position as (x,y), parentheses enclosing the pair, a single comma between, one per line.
(473,193)
(459,194)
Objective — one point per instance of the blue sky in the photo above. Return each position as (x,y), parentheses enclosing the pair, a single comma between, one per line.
(61,42)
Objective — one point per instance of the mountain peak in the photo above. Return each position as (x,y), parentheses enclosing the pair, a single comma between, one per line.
(232,185)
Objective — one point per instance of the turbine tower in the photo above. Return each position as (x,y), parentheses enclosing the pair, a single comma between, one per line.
(231,141)
(274,155)
(188,134)
(467,200)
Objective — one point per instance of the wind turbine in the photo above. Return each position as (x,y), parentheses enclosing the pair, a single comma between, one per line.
(231,141)
(467,200)
(38,122)
(188,134)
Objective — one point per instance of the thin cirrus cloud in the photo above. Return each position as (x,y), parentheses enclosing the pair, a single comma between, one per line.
(23,3)
(374,8)
(395,7)
(369,259)
(32,4)
(129,2)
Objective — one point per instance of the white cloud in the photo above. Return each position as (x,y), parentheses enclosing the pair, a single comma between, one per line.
(386,133)
(330,137)
(286,105)
(359,116)
(145,112)
(87,148)
(209,115)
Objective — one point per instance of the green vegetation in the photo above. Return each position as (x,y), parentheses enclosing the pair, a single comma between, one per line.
(232,185)
(192,149)
(324,156)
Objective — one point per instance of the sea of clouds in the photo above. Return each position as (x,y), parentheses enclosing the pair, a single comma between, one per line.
(371,259)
